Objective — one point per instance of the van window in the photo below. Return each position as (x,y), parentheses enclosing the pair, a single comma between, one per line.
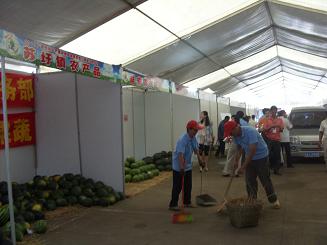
(311,119)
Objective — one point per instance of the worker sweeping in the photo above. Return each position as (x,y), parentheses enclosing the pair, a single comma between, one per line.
(256,158)
(182,166)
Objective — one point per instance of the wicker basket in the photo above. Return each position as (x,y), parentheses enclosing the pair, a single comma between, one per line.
(244,212)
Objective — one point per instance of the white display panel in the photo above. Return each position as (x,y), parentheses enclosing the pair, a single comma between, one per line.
(22,164)
(56,124)
(100,123)
(139,122)
(158,122)
(128,122)
(184,109)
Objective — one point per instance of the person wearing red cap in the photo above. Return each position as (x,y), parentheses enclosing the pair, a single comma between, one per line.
(182,165)
(256,160)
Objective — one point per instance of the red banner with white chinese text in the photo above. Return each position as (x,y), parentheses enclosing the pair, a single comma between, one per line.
(21,127)
(20,90)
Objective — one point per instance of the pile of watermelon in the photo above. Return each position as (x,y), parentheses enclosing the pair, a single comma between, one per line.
(163,160)
(47,193)
(136,171)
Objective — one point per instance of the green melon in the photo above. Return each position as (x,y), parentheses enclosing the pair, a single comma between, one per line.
(4,214)
(76,191)
(61,202)
(130,159)
(40,226)
(128,178)
(102,192)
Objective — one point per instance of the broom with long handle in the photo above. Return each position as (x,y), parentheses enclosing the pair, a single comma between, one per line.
(182,217)
(222,205)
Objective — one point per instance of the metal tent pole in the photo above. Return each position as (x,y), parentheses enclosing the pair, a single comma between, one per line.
(6,138)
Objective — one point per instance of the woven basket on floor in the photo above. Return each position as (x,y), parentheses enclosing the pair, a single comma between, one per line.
(244,212)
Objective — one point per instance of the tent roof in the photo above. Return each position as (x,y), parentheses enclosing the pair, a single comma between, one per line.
(232,47)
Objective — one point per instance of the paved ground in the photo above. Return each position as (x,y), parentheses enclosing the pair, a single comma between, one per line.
(144,219)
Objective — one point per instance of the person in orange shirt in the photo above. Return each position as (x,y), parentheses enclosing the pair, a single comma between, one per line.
(272,129)
(262,121)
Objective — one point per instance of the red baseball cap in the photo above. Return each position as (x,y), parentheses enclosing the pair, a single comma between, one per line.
(228,128)
(193,125)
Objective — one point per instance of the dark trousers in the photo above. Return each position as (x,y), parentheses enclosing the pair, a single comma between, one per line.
(221,148)
(274,154)
(259,168)
(177,187)
(286,147)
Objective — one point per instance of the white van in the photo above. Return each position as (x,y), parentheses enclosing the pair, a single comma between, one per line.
(304,136)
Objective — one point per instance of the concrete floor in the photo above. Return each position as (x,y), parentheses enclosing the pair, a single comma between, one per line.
(144,219)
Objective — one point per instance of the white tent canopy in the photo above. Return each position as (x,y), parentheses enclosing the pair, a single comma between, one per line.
(224,46)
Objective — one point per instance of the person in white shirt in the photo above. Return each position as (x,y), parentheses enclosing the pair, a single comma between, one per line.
(252,121)
(323,137)
(285,138)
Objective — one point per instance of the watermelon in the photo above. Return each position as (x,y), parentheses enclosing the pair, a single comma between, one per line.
(4,214)
(72,200)
(51,205)
(127,164)
(127,170)
(130,159)
(102,192)
(99,185)
(122,195)
(150,174)
(29,216)
(112,199)
(37,207)
(134,165)
(41,184)
(136,178)
(161,167)
(156,156)
(146,176)
(38,215)
(148,160)
(68,176)
(128,178)
(95,200)
(152,166)
(156,172)
(76,191)
(88,192)
(109,188)
(40,226)
(135,171)
(85,201)
(61,202)
(52,185)
(140,163)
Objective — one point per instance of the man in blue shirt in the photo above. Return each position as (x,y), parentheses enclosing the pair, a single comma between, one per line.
(182,165)
(256,160)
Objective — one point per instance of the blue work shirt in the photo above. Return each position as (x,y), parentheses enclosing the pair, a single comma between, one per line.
(186,146)
(243,122)
(251,136)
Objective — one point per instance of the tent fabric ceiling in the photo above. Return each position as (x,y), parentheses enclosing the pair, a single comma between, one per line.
(243,35)
(231,43)
(58,22)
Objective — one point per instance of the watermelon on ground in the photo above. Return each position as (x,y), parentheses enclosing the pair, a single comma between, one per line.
(130,159)
(40,226)
(128,178)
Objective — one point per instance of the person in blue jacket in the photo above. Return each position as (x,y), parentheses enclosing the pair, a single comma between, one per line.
(256,160)
(182,165)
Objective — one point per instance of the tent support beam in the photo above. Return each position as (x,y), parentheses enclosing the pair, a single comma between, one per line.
(6,150)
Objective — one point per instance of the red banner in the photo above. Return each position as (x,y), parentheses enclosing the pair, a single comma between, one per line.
(21,129)
(20,90)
